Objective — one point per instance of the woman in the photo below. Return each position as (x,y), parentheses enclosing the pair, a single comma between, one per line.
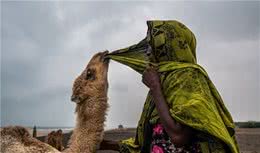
(183,111)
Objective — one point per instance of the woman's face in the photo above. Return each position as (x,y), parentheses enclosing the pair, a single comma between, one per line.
(149,51)
(150,54)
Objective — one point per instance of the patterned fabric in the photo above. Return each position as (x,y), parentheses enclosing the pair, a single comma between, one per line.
(161,143)
(191,96)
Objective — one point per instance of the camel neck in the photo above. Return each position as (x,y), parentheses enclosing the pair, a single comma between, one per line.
(89,130)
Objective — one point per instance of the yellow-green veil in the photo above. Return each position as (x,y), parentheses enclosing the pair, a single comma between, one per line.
(191,96)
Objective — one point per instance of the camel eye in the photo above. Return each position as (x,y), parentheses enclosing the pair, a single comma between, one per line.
(90,74)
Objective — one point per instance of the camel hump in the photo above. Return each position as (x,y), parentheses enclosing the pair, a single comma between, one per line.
(17,139)
(17,132)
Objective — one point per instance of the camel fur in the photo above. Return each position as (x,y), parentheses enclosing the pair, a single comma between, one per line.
(55,138)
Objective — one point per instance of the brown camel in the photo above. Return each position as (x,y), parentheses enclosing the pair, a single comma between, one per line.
(55,138)
(90,95)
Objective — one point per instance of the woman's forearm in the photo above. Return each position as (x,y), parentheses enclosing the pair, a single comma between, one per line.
(163,111)
(178,133)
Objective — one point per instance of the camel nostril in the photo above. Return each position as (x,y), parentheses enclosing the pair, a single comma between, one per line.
(106,52)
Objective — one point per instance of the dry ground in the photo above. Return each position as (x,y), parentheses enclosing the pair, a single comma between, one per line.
(248,138)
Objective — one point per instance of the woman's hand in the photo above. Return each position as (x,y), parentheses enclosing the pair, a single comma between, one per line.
(151,78)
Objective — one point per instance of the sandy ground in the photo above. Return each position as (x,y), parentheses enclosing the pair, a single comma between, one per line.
(248,138)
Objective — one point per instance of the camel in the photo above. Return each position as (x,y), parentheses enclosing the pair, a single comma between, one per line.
(90,95)
(16,139)
(55,138)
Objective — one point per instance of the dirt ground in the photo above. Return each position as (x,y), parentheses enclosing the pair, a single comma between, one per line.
(248,138)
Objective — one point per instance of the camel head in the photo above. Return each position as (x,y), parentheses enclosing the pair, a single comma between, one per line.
(55,139)
(92,82)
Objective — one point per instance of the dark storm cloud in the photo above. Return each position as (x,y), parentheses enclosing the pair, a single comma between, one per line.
(45,45)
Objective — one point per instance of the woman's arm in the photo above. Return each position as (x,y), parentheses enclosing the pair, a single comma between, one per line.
(179,134)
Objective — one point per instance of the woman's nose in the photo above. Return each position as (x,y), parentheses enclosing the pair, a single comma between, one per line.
(149,50)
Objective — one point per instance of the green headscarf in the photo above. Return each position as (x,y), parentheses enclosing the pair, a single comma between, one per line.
(191,96)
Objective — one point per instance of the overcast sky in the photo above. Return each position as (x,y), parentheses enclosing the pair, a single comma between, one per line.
(45,45)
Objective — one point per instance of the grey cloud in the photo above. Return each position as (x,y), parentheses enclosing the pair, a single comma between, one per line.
(45,45)
(34,22)
(225,21)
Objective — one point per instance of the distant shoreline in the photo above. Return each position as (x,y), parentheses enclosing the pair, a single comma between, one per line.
(240,124)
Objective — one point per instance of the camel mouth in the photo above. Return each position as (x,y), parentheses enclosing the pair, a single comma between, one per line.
(104,57)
